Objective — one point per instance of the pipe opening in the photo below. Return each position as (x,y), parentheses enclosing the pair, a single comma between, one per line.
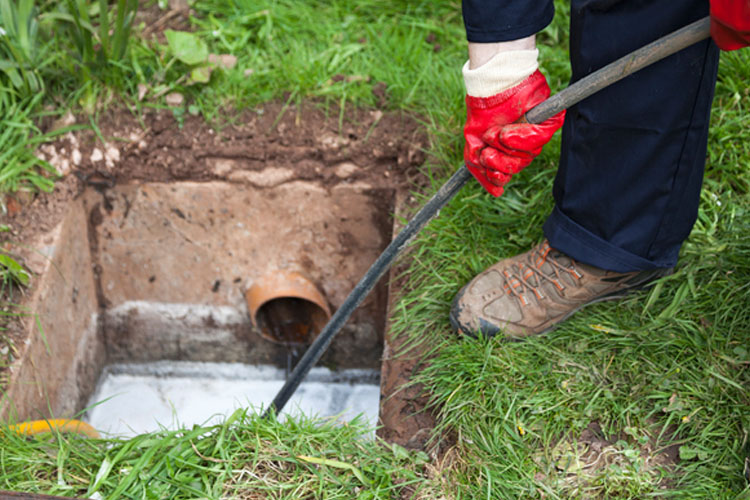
(287,308)
(290,320)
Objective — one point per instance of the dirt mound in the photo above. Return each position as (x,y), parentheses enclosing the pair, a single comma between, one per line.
(301,143)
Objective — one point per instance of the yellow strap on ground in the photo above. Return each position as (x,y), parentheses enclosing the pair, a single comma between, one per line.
(57,424)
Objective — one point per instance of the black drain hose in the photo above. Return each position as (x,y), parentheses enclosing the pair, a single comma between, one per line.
(576,92)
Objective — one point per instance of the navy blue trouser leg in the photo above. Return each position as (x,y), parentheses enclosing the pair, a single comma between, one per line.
(632,159)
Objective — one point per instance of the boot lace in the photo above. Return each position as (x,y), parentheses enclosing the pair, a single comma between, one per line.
(518,277)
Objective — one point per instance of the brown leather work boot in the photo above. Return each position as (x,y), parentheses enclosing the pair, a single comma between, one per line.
(531,293)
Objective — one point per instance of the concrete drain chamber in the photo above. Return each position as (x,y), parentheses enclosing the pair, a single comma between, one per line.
(152,316)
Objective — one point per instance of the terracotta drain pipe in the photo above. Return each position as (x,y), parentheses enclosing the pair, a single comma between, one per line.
(596,81)
(287,308)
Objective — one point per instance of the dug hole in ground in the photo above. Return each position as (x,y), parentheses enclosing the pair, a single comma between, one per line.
(142,256)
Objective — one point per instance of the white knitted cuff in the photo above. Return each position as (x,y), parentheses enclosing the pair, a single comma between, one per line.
(503,71)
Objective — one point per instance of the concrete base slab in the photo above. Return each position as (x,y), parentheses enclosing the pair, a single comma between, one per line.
(136,398)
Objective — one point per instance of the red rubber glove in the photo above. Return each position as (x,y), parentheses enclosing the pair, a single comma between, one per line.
(497,147)
(730,23)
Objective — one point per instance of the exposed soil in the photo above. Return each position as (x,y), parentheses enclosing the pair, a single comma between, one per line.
(404,415)
(156,20)
(406,418)
(379,149)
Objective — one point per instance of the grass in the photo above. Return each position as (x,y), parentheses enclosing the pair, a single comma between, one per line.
(664,370)
(668,367)
(245,457)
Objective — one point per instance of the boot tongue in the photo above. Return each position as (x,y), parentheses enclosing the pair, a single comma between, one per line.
(558,257)
(549,270)
(541,261)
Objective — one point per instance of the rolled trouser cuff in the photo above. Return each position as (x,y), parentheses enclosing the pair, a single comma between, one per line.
(579,243)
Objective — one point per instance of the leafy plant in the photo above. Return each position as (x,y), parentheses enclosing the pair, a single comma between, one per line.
(99,39)
(192,51)
(11,272)
(19,46)
(19,166)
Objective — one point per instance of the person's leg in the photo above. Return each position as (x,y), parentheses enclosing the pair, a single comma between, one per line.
(628,184)
(631,167)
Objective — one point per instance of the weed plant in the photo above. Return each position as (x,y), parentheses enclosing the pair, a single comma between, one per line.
(96,40)
(20,50)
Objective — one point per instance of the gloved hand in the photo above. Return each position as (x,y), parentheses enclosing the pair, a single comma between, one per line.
(730,23)
(496,146)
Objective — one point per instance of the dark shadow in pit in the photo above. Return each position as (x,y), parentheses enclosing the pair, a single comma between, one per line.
(290,320)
